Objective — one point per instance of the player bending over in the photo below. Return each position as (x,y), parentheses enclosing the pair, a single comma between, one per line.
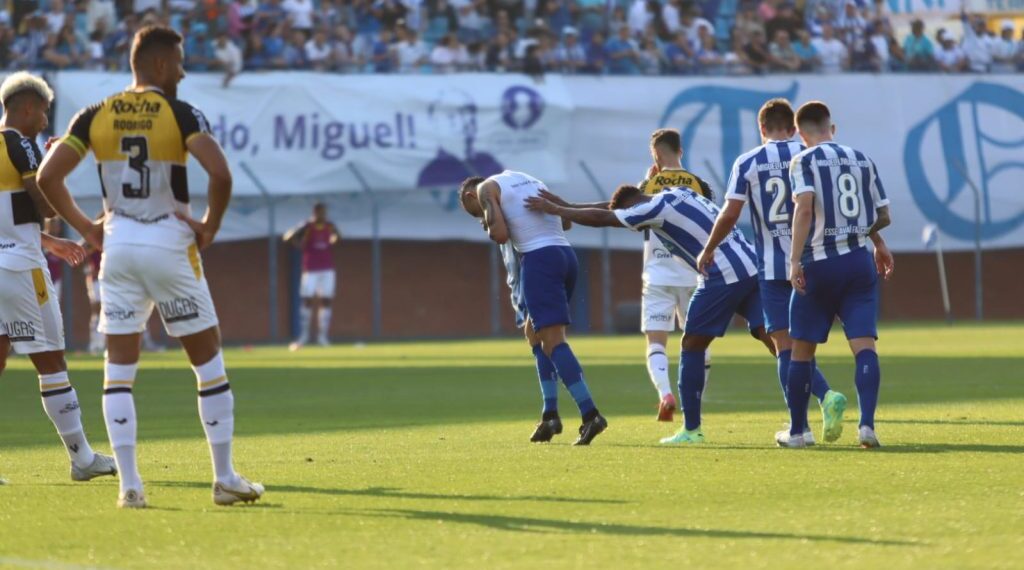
(761,177)
(141,138)
(549,269)
(315,238)
(682,220)
(30,317)
(840,202)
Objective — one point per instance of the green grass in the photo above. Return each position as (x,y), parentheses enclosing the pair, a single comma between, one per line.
(413,455)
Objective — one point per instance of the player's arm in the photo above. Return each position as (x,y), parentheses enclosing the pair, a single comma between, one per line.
(551,196)
(802,214)
(295,235)
(593,217)
(335,234)
(208,153)
(724,224)
(489,194)
(42,206)
(56,167)
(65,249)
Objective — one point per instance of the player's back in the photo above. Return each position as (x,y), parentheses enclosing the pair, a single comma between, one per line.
(19,219)
(847,193)
(761,177)
(139,140)
(528,230)
(661,268)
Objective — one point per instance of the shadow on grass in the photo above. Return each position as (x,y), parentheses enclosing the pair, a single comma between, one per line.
(959,422)
(538,525)
(396,493)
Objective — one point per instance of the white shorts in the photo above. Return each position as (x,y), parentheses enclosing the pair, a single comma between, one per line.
(317,284)
(29,311)
(94,290)
(661,305)
(134,278)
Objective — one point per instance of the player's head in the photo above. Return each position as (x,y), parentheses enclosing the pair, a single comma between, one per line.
(776,119)
(157,58)
(626,196)
(666,147)
(468,197)
(814,122)
(320,212)
(26,99)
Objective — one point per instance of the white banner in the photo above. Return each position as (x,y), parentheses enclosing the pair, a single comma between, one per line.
(936,140)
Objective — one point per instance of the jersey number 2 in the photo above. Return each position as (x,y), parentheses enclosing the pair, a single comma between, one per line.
(137,149)
(776,188)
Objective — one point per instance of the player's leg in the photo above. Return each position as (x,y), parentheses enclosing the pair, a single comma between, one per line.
(187,310)
(683,296)
(858,310)
(549,278)
(657,308)
(550,423)
(325,292)
(5,348)
(307,294)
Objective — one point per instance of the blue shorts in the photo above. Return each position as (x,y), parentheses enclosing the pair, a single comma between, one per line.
(548,279)
(843,287)
(711,308)
(775,295)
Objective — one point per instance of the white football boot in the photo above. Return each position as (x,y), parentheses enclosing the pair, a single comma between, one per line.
(245,491)
(101,465)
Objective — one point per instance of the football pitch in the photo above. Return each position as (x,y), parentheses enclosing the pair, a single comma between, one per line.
(415,455)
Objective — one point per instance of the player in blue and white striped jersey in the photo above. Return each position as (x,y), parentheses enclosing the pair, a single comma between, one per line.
(682,220)
(839,203)
(761,177)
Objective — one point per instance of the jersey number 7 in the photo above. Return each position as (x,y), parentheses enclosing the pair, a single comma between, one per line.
(137,149)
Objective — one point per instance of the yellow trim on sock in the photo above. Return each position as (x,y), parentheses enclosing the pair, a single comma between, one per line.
(212,383)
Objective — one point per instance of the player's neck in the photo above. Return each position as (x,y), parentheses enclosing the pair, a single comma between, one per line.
(7,123)
(143,84)
(671,165)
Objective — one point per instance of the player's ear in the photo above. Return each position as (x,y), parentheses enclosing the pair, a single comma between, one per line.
(833,129)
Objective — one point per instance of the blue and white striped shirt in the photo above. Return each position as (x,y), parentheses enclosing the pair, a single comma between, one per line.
(847,193)
(761,177)
(682,220)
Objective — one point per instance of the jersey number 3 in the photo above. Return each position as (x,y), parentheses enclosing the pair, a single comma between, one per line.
(137,149)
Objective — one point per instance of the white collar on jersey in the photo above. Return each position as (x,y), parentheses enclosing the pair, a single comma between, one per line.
(144,89)
(10,128)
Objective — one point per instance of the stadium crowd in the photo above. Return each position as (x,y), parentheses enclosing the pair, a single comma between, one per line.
(622,37)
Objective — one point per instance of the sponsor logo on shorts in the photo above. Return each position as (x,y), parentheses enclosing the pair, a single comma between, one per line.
(660,317)
(9,245)
(20,331)
(180,309)
(661,253)
(118,314)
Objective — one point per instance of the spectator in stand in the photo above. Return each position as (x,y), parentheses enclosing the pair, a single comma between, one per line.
(622,53)
(747,22)
(768,9)
(918,52)
(591,16)
(1020,52)
(500,56)
(228,57)
(680,54)
(949,55)
(347,58)
(617,22)
(783,58)
(754,53)
(597,54)
(786,19)
(570,57)
(295,50)
(268,16)
(558,14)
(533,64)
(198,48)
(804,49)
(300,14)
(639,16)
(389,13)
(692,23)
(832,54)
(255,53)
(56,16)
(976,44)
(274,46)
(671,14)
(878,36)
(239,16)
(94,50)
(650,59)
(1004,50)
(410,52)
(318,52)
(707,59)
(446,56)
(97,11)
(381,53)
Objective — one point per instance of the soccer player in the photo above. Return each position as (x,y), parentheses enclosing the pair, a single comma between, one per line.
(682,220)
(549,268)
(315,238)
(761,176)
(141,138)
(30,318)
(840,204)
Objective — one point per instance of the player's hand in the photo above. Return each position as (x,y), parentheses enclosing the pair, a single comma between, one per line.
(796,278)
(552,197)
(67,250)
(93,235)
(653,171)
(204,231)
(538,204)
(50,142)
(884,262)
(704,260)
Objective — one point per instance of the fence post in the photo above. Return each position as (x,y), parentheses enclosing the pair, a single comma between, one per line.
(374,249)
(606,261)
(271,249)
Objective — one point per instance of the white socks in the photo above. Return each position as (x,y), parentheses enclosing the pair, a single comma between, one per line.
(119,415)
(305,320)
(324,322)
(707,367)
(657,367)
(61,404)
(217,412)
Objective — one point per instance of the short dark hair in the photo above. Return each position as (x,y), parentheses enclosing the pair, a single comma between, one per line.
(152,38)
(667,137)
(776,114)
(468,184)
(624,193)
(813,114)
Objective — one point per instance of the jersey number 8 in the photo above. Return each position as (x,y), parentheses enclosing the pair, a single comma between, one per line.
(849,195)
(137,149)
